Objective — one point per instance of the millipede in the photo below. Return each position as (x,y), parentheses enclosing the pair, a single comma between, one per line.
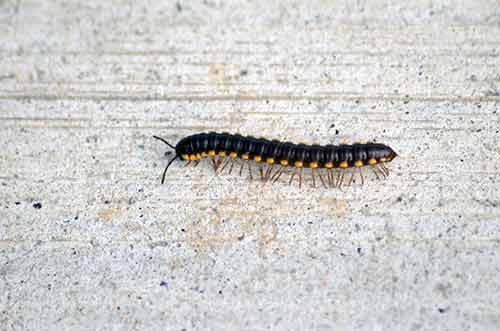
(331,164)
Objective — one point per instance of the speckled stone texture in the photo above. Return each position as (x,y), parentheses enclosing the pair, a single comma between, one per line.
(90,240)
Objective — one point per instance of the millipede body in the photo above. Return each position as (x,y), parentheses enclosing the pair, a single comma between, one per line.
(225,148)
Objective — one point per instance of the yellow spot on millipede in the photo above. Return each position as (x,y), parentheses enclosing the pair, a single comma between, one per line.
(257,158)
(328,165)
(222,153)
(358,163)
(313,165)
(233,155)
(270,160)
(284,162)
(372,161)
(298,164)
(211,153)
(244,156)
(203,154)
(383,159)
(343,164)
(185,157)
(192,157)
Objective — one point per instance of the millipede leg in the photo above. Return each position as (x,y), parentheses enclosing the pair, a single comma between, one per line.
(250,171)
(224,165)
(313,178)
(351,179)
(268,173)
(361,175)
(375,172)
(321,178)
(385,169)
(196,163)
(329,173)
(275,174)
(338,174)
(187,163)
(261,170)
(300,178)
(340,180)
(381,171)
(279,172)
(215,166)
(218,162)
(291,177)
(335,178)
(232,165)
(241,168)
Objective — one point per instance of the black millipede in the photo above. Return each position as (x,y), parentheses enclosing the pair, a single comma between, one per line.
(273,157)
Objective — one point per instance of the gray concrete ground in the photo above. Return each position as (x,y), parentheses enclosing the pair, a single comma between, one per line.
(89,240)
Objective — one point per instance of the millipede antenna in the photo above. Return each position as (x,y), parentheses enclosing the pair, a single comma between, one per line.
(166,168)
(163,140)
(169,162)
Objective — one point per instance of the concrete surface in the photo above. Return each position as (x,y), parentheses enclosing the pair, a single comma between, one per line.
(89,240)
